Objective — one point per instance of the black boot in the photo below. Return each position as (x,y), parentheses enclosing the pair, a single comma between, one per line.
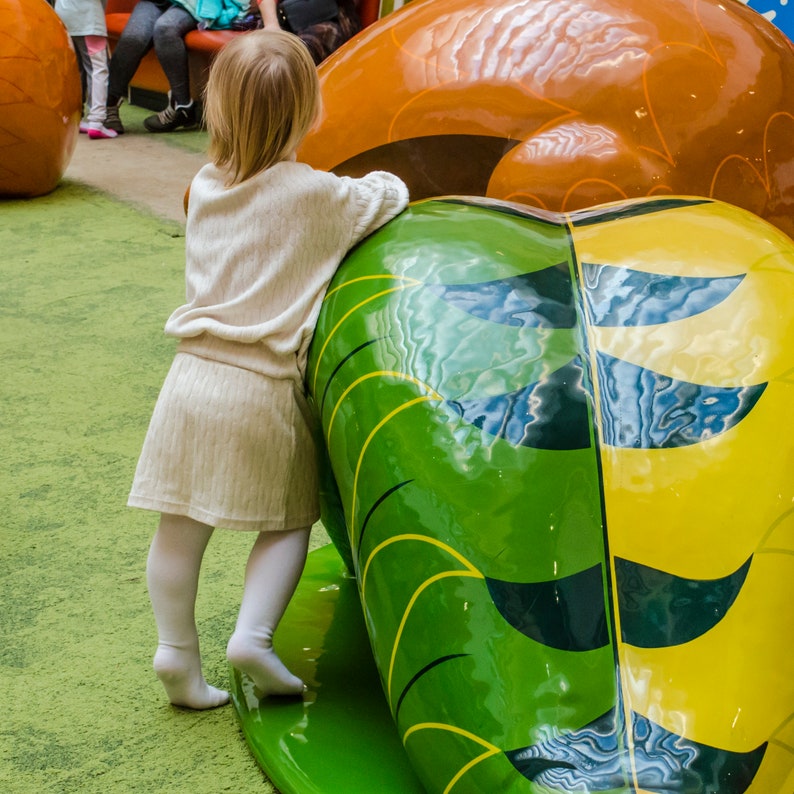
(173,118)
(112,118)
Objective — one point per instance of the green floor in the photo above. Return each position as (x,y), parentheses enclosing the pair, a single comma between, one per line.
(87,283)
(192,140)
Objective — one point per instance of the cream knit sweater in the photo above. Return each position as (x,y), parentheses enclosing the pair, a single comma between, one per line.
(260,255)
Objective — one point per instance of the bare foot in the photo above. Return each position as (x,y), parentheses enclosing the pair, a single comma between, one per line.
(263,666)
(180,673)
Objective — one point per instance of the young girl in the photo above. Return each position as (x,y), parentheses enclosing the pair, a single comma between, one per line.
(85,22)
(229,444)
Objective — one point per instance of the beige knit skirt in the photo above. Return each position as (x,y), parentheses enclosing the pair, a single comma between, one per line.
(230,448)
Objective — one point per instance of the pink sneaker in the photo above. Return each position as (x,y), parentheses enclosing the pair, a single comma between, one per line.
(97,130)
(84,126)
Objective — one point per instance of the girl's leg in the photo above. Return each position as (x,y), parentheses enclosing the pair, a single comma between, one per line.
(172,573)
(96,77)
(81,51)
(271,576)
(97,72)
(134,43)
(169,44)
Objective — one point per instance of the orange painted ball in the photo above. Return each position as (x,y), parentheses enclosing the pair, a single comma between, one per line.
(41,98)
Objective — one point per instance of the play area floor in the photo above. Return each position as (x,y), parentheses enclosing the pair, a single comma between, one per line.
(89,275)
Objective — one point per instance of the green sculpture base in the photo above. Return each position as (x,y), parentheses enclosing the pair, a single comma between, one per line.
(340,736)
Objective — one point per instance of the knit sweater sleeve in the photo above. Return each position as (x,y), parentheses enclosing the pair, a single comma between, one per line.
(260,255)
(373,200)
(379,197)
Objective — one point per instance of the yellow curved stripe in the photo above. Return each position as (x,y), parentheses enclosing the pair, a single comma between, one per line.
(378,374)
(347,314)
(490,749)
(372,435)
(376,276)
(419,590)
(440,726)
(412,536)
(407,537)
(464,769)
(781,522)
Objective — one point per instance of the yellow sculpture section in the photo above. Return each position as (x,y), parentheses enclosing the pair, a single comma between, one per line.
(720,502)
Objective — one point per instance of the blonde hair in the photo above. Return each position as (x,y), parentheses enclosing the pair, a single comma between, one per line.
(262,97)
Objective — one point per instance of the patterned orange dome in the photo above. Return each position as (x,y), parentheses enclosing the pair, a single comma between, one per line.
(567,105)
(40,97)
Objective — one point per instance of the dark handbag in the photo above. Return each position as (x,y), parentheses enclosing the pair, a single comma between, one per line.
(297,15)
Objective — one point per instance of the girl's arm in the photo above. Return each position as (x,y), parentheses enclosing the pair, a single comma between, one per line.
(267,8)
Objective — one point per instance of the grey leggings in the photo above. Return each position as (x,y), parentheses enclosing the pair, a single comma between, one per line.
(162,25)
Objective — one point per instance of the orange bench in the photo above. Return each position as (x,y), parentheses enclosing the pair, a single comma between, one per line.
(149,83)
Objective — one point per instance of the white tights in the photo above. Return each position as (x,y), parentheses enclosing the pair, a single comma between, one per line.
(274,567)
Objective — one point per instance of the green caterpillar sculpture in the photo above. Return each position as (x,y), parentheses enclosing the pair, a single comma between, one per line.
(561,458)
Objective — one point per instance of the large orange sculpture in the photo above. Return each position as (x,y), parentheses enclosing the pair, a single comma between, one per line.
(40,98)
(563,105)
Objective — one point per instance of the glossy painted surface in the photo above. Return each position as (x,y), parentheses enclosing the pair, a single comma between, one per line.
(565,105)
(40,97)
(340,737)
(564,455)
(779,12)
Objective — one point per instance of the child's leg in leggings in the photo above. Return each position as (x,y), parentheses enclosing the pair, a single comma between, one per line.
(172,573)
(271,576)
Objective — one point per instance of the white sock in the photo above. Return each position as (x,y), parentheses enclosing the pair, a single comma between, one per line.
(179,671)
(272,574)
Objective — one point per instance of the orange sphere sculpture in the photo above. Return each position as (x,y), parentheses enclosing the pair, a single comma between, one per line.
(567,105)
(40,96)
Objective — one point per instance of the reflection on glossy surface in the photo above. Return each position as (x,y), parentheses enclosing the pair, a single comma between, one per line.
(667,762)
(340,737)
(568,105)
(40,97)
(570,515)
